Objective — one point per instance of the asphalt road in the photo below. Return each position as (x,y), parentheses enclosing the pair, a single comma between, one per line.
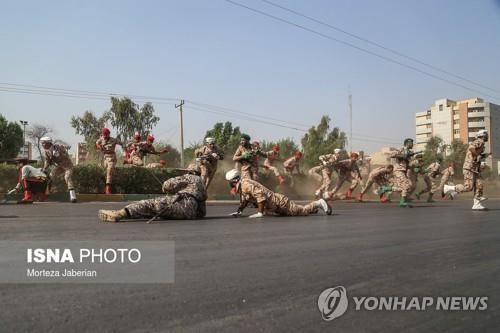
(243,275)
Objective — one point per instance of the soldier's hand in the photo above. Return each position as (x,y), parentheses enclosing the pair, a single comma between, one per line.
(236,214)
(256,215)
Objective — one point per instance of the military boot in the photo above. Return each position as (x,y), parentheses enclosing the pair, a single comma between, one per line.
(112,215)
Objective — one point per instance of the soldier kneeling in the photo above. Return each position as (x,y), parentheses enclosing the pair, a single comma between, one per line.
(32,180)
(267,201)
(184,200)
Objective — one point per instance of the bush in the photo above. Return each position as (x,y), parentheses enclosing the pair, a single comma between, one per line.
(8,177)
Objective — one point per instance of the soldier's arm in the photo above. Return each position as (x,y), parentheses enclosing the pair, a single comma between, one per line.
(237,155)
(173,185)
(98,144)
(220,152)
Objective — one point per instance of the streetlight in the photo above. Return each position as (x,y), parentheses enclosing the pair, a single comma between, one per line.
(24,123)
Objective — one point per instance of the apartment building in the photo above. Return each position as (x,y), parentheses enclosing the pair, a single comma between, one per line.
(451,119)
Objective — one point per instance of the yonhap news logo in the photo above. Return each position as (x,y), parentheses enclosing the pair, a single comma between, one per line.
(333,303)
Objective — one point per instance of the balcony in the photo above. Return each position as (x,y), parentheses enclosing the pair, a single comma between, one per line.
(423,130)
(476,124)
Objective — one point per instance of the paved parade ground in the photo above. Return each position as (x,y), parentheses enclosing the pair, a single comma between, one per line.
(240,274)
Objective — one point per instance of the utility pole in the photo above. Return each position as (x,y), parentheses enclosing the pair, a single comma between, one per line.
(350,120)
(179,106)
(24,123)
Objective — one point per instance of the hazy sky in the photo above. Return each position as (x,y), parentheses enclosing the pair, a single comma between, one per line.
(214,52)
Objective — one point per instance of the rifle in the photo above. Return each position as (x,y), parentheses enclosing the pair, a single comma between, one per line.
(477,172)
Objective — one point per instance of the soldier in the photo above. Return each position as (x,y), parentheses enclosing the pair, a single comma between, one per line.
(107,145)
(257,153)
(156,165)
(415,168)
(430,179)
(32,180)
(56,155)
(472,171)
(401,183)
(267,201)
(144,148)
(291,164)
(271,157)
(347,170)
(184,200)
(380,176)
(243,158)
(132,146)
(323,172)
(207,156)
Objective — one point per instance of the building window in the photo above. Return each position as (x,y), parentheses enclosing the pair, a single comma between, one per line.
(429,126)
(456,122)
(428,117)
(456,131)
(440,107)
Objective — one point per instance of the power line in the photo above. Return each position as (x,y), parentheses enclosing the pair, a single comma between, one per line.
(366,40)
(361,49)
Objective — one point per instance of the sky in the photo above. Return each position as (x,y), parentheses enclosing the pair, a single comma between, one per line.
(217,53)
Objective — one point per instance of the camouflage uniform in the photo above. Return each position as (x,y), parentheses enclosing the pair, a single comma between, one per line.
(108,146)
(447,174)
(252,191)
(208,163)
(254,161)
(290,165)
(185,199)
(471,169)
(401,183)
(58,156)
(347,170)
(245,164)
(415,168)
(323,172)
(141,150)
(271,156)
(380,176)
(430,178)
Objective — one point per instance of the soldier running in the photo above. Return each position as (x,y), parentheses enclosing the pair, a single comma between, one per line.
(446,176)
(293,164)
(401,183)
(208,156)
(323,172)
(347,170)
(416,168)
(107,145)
(31,180)
(57,156)
(380,176)
(144,148)
(271,157)
(267,201)
(472,171)
(243,158)
(184,200)
(131,147)
(430,178)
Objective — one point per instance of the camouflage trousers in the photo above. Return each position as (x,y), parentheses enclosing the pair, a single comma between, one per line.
(290,208)
(207,174)
(350,177)
(323,176)
(250,173)
(68,174)
(172,207)
(401,183)
(468,184)
(371,180)
(444,180)
(109,165)
(431,185)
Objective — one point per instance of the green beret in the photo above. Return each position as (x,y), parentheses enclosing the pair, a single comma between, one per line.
(245,137)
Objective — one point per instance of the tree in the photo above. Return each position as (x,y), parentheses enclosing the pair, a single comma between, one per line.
(458,149)
(434,150)
(89,126)
(126,117)
(319,140)
(226,137)
(36,132)
(287,147)
(11,138)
